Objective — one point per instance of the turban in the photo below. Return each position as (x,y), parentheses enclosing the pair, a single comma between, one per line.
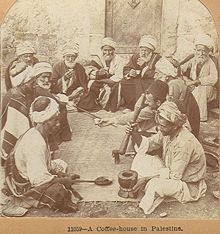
(204,39)
(159,90)
(148,41)
(40,68)
(41,116)
(164,66)
(25,48)
(108,41)
(71,49)
(169,111)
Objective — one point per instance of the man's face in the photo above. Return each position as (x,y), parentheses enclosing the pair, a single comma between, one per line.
(144,51)
(150,101)
(27,58)
(53,125)
(70,60)
(167,128)
(43,80)
(108,53)
(201,53)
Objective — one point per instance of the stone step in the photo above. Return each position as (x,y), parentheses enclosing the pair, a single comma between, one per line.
(214,113)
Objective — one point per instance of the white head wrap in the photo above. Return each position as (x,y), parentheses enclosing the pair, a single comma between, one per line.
(204,39)
(169,111)
(108,41)
(47,113)
(25,48)
(148,41)
(40,68)
(164,66)
(71,49)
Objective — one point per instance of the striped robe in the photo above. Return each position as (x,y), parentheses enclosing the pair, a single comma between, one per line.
(16,124)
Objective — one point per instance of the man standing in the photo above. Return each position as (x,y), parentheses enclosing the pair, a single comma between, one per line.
(139,72)
(181,173)
(202,74)
(105,71)
(30,173)
(19,69)
(68,75)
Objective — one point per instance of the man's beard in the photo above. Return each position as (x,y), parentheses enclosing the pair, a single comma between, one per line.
(44,86)
(108,57)
(70,64)
(201,59)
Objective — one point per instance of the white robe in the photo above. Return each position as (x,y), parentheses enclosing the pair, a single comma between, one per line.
(206,91)
(181,173)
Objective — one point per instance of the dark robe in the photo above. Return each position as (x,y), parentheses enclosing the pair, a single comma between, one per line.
(131,89)
(79,78)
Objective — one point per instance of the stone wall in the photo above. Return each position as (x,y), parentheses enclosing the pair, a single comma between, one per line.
(49,24)
(182,21)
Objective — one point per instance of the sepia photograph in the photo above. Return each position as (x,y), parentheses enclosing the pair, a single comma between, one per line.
(110,111)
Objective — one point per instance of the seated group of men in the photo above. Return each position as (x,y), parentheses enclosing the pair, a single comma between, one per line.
(34,119)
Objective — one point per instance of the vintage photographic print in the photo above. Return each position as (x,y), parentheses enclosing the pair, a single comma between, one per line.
(109,110)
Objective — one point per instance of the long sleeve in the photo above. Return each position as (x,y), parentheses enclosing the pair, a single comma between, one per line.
(149,144)
(180,161)
(93,66)
(212,77)
(132,64)
(116,69)
(36,164)
(58,72)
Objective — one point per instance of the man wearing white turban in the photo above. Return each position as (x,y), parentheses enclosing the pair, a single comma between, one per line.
(19,69)
(68,74)
(202,74)
(139,72)
(15,106)
(105,70)
(30,164)
(182,168)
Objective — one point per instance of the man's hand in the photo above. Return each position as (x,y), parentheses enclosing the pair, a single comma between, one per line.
(132,73)
(141,61)
(104,122)
(17,68)
(68,75)
(140,186)
(130,128)
(193,82)
(102,72)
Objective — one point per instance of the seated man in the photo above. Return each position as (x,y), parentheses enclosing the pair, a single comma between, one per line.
(15,110)
(139,72)
(105,71)
(42,88)
(30,174)
(20,68)
(155,95)
(181,172)
(202,74)
(179,92)
(68,74)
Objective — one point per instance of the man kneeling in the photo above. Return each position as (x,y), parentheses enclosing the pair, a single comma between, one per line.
(31,175)
(181,172)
